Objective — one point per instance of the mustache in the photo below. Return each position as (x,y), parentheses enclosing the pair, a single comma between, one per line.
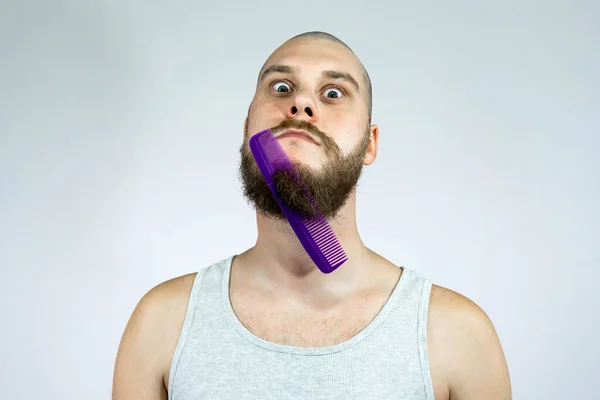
(303,125)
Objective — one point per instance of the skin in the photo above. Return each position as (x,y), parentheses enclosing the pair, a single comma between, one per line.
(467,360)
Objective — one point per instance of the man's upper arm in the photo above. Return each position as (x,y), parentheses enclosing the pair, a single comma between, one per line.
(149,340)
(467,348)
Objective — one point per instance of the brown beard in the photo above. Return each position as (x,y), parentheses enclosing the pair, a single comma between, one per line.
(330,187)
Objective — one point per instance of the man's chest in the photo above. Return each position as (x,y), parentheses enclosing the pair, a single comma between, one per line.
(277,321)
(282,323)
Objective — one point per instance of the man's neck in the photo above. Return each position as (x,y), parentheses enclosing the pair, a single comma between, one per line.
(279,263)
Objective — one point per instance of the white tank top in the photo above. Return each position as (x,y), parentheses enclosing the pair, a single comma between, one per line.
(217,358)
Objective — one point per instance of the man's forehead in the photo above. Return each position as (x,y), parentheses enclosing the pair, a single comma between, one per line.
(312,54)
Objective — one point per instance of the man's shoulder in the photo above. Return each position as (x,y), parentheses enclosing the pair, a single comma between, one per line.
(168,300)
(464,346)
(455,318)
(149,339)
(161,310)
(453,306)
(168,294)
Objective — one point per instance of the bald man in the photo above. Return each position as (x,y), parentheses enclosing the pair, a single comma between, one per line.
(266,323)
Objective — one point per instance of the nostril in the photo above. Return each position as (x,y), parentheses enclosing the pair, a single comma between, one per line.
(308,111)
(294,110)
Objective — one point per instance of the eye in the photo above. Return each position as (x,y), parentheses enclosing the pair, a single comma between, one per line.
(282,87)
(333,93)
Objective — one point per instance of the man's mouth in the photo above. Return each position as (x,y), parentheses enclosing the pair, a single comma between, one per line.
(298,134)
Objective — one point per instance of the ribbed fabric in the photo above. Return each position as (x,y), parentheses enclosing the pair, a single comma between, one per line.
(218,358)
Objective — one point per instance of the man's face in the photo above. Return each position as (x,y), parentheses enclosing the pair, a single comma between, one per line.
(317,87)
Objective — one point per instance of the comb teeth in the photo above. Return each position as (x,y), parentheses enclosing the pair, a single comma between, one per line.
(323,235)
(326,241)
(315,233)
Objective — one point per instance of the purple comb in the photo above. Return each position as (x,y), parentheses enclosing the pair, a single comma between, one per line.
(314,233)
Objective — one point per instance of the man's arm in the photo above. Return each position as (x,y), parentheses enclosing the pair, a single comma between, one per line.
(148,343)
(466,348)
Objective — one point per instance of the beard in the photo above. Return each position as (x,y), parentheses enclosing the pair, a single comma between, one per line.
(330,186)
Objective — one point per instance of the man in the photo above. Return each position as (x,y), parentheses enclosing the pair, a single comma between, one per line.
(267,324)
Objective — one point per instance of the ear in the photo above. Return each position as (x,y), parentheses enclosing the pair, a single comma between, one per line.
(371,153)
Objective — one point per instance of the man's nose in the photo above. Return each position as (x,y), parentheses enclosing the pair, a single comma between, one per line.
(303,107)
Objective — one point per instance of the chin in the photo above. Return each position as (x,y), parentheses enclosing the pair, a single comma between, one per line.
(303,157)
(305,163)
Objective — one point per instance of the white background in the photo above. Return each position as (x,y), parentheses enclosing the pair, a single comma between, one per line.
(120,124)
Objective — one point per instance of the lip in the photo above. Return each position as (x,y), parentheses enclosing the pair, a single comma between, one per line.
(297,133)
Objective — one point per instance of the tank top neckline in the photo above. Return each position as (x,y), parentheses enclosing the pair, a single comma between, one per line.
(308,351)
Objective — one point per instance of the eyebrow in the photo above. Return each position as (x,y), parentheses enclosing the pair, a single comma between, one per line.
(343,76)
(286,69)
